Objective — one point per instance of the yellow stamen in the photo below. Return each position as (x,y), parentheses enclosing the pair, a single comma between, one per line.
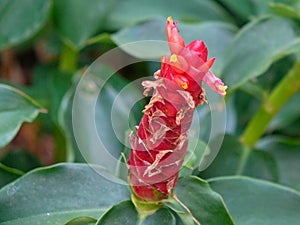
(169,19)
(173,58)
(184,85)
(222,89)
(181,81)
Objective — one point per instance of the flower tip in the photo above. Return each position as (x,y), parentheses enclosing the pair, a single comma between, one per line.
(210,62)
(222,89)
(170,20)
(215,83)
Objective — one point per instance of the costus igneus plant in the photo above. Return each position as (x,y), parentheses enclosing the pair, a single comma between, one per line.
(159,145)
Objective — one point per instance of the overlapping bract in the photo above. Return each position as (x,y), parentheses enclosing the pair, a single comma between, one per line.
(160,143)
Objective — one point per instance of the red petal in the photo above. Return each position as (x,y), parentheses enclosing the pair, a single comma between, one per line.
(176,42)
(199,48)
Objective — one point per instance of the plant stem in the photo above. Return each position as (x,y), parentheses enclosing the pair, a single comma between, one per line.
(243,160)
(68,59)
(287,87)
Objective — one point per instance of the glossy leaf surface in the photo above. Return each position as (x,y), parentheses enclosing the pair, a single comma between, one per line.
(244,59)
(286,151)
(203,203)
(57,194)
(20,20)
(15,108)
(265,202)
(234,158)
(77,21)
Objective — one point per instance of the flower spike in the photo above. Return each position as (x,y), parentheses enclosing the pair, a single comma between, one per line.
(159,146)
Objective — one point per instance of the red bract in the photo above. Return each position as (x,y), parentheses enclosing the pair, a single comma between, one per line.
(160,143)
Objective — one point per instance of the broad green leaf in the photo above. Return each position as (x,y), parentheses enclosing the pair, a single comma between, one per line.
(15,108)
(130,12)
(234,158)
(8,174)
(205,205)
(125,213)
(77,21)
(251,201)
(20,20)
(258,45)
(164,216)
(20,159)
(216,35)
(57,194)
(286,151)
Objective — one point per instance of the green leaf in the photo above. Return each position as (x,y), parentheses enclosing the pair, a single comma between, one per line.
(130,12)
(286,151)
(164,216)
(234,158)
(101,109)
(125,214)
(242,9)
(258,202)
(287,115)
(285,10)
(8,174)
(82,220)
(77,21)
(205,205)
(258,45)
(20,20)
(216,35)
(57,194)
(15,108)
(247,9)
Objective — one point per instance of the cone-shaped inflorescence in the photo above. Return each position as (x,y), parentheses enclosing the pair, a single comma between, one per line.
(159,146)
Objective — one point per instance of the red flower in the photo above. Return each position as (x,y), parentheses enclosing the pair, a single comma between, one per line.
(160,143)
